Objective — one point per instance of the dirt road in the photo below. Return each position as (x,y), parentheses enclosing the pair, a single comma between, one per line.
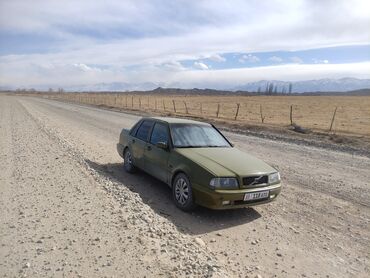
(69,210)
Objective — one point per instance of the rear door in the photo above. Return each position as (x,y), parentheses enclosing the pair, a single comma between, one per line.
(139,141)
(156,159)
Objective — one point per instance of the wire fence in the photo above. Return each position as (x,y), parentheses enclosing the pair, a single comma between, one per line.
(349,115)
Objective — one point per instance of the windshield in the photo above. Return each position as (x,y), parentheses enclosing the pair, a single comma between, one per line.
(196,136)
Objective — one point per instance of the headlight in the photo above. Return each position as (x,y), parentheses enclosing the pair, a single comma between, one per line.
(274,178)
(224,183)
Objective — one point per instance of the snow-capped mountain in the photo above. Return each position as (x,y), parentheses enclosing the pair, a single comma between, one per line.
(320,85)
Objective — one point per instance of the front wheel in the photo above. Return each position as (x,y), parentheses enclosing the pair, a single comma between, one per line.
(183,193)
(127,163)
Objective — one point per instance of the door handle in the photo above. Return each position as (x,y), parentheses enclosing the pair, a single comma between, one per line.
(149,148)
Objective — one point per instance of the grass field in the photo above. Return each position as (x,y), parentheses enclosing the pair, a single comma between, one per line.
(352,116)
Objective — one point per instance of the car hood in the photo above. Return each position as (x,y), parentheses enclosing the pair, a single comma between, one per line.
(227,161)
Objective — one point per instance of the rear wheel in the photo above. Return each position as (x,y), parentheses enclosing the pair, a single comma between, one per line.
(127,163)
(182,193)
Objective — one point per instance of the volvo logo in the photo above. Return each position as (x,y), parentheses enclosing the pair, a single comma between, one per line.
(256,180)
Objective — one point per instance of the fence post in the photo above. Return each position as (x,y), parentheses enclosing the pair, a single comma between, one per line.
(201,109)
(174,106)
(186,108)
(126,102)
(155,107)
(139,102)
(218,109)
(237,111)
(132,101)
(332,120)
(164,106)
(262,117)
(291,115)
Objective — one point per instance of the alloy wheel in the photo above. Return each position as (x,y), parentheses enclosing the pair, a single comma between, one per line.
(181,191)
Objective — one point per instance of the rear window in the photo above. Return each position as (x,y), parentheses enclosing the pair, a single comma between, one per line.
(143,131)
(135,128)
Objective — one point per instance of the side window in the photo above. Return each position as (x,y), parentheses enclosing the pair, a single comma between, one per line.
(159,134)
(135,128)
(143,131)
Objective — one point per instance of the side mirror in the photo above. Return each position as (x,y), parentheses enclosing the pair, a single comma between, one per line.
(162,145)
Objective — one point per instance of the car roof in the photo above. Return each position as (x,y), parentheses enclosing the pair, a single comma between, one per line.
(172,120)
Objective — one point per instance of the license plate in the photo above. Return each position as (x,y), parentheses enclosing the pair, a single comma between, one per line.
(256,195)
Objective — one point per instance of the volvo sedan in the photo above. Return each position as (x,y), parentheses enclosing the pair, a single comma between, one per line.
(199,163)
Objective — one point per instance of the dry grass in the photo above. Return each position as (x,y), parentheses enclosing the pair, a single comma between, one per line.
(314,112)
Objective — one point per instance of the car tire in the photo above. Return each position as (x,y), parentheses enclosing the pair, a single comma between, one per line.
(127,161)
(182,193)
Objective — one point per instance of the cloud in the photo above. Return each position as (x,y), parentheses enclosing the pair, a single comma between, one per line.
(141,39)
(275,59)
(320,61)
(174,65)
(84,67)
(296,60)
(217,58)
(204,24)
(200,65)
(249,58)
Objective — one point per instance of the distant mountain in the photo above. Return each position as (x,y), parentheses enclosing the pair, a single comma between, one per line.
(5,88)
(320,85)
(329,86)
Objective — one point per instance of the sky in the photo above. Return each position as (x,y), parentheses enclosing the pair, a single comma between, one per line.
(214,44)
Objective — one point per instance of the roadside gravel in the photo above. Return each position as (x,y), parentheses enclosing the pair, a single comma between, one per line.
(57,219)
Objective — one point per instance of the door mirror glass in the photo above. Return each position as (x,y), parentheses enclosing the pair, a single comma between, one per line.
(162,145)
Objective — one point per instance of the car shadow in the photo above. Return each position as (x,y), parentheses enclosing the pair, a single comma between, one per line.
(158,196)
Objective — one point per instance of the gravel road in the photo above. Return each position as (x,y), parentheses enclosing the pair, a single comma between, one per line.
(69,210)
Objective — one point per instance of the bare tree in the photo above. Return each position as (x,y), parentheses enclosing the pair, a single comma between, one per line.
(271,88)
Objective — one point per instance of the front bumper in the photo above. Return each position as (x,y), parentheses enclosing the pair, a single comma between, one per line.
(229,199)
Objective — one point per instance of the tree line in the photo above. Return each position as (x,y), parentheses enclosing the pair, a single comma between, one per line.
(272,88)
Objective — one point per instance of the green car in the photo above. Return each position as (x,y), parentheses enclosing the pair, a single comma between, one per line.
(197,161)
